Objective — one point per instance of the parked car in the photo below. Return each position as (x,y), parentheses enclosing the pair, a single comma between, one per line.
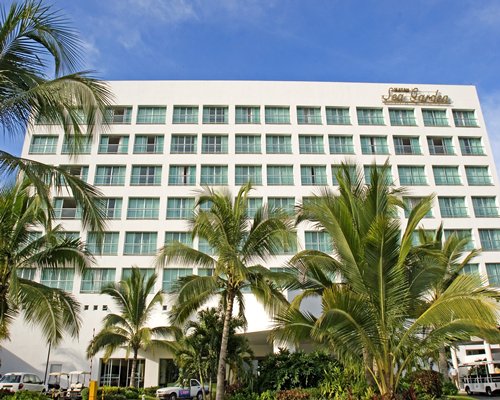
(15,381)
(193,391)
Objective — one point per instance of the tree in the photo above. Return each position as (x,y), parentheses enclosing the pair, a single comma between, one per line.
(54,310)
(129,328)
(370,317)
(239,243)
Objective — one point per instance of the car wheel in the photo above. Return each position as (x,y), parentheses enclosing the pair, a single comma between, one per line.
(468,391)
(199,396)
(488,391)
(173,396)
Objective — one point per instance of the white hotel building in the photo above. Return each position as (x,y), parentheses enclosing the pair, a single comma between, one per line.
(169,138)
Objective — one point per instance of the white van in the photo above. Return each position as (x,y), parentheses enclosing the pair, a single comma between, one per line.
(15,381)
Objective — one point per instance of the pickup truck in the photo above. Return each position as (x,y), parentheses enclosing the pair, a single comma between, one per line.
(193,391)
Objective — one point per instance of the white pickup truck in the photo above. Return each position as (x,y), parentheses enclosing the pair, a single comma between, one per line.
(193,391)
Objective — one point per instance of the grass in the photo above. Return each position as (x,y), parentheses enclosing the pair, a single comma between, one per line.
(459,397)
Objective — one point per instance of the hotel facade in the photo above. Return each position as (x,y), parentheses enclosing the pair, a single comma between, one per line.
(170,138)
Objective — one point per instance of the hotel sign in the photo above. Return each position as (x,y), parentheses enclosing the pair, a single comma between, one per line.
(414,96)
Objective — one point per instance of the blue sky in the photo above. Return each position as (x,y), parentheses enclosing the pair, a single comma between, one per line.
(427,41)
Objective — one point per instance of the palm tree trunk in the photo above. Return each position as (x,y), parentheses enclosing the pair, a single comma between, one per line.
(443,363)
(368,363)
(132,370)
(221,370)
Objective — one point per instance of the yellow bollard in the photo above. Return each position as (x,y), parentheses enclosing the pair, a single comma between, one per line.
(93,390)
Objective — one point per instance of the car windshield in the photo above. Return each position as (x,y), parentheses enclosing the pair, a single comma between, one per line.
(9,378)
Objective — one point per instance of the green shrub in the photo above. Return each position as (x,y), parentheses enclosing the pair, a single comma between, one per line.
(449,389)
(345,383)
(268,395)
(426,382)
(245,395)
(26,395)
(150,391)
(292,394)
(85,394)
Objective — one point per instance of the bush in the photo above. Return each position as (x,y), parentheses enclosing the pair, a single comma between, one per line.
(426,382)
(268,395)
(150,391)
(345,383)
(26,395)
(85,394)
(449,389)
(292,394)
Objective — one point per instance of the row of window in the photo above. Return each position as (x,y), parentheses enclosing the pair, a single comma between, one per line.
(277,175)
(251,144)
(281,115)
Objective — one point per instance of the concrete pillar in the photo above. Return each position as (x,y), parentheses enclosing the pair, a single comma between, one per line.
(489,357)
(454,358)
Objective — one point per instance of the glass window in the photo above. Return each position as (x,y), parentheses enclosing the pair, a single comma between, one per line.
(185,115)
(374,145)
(248,173)
(286,204)
(493,271)
(313,175)
(477,176)
(485,207)
(410,203)
(406,145)
(278,175)
(80,171)
(66,208)
(145,175)
(370,116)
(309,115)
(471,146)
(205,247)
(319,241)
(461,234)
(290,247)
(26,273)
(181,237)
(337,116)
(111,207)
(435,117)
(470,269)
(118,115)
(440,146)
(148,144)
(247,115)
(106,246)
(114,144)
(277,115)
(213,175)
(59,278)
(446,175)
(412,175)
(151,115)
(182,175)
(452,207)
(278,144)
(43,145)
(80,146)
(368,174)
(402,117)
(247,144)
(464,118)
(143,208)
(335,172)
(253,204)
(311,144)
(490,239)
(183,144)
(95,279)
(340,144)
(214,144)
(180,207)
(215,115)
(205,272)
(172,275)
(146,273)
(140,243)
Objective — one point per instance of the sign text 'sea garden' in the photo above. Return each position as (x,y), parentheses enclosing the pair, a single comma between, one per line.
(414,96)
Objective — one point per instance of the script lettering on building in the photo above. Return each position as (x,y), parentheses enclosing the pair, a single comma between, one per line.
(414,96)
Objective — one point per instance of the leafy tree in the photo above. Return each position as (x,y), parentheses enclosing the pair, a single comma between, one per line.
(238,245)
(129,327)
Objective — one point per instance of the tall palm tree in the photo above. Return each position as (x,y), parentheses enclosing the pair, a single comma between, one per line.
(239,244)
(129,328)
(372,314)
(54,310)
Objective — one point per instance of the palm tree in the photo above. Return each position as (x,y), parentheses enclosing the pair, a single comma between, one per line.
(371,316)
(54,310)
(239,244)
(129,327)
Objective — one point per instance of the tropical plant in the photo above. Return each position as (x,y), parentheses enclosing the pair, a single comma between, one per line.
(369,318)
(128,329)
(22,249)
(239,244)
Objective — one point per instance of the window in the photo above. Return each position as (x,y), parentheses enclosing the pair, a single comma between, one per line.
(470,269)
(247,144)
(71,145)
(477,176)
(146,273)
(95,279)
(148,144)
(412,175)
(60,278)
(493,272)
(374,145)
(452,207)
(145,175)
(110,175)
(143,208)
(278,175)
(205,247)
(313,175)
(118,115)
(311,144)
(114,144)
(183,144)
(253,204)
(107,245)
(286,204)
(410,203)
(248,173)
(182,175)
(111,207)
(368,170)
(180,207)
(205,272)
(185,115)
(435,117)
(140,243)
(440,146)
(289,247)
(43,145)
(370,116)
(406,145)
(181,237)
(485,207)
(278,144)
(172,275)
(471,146)
(461,234)
(26,273)
(277,115)
(446,176)
(151,115)
(464,118)
(335,171)
(490,239)
(80,171)
(66,208)
(213,175)
(215,115)
(401,117)
(341,144)
(68,235)
(337,116)
(247,115)
(309,115)
(319,241)
(214,144)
